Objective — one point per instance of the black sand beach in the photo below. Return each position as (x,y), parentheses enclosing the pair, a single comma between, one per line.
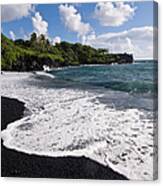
(11,110)
(18,164)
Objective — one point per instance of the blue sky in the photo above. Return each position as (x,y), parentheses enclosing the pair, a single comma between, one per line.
(91,23)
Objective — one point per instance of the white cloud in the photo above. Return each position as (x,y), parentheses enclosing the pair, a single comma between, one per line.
(113,14)
(57,39)
(73,21)
(12,35)
(138,41)
(14,12)
(40,25)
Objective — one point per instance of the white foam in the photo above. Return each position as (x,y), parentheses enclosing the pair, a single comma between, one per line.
(72,122)
(42,73)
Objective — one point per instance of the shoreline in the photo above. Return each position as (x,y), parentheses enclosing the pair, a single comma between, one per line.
(94,137)
(63,67)
(18,164)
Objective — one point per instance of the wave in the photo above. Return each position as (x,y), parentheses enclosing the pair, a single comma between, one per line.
(46,74)
(131,78)
(131,87)
(73,122)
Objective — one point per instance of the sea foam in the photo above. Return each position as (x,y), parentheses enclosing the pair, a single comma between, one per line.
(73,122)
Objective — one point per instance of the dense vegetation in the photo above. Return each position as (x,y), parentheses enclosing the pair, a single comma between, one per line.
(32,54)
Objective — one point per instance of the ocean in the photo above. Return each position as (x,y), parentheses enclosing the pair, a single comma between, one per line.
(104,112)
(138,80)
(137,77)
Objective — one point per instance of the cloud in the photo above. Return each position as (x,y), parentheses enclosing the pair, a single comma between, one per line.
(14,12)
(40,25)
(73,21)
(12,35)
(57,39)
(113,14)
(138,41)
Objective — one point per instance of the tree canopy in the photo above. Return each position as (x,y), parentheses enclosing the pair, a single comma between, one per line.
(32,54)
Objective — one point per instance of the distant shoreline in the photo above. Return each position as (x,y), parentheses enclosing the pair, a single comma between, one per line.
(64,67)
(76,66)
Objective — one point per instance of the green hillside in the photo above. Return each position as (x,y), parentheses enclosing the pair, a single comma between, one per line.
(32,54)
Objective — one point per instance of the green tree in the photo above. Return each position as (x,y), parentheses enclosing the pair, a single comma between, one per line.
(33,38)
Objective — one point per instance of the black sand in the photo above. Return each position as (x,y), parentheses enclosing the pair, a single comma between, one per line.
(11,110)
(18,164)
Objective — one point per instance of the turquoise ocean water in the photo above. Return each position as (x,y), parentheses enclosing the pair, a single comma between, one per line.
(127,85)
